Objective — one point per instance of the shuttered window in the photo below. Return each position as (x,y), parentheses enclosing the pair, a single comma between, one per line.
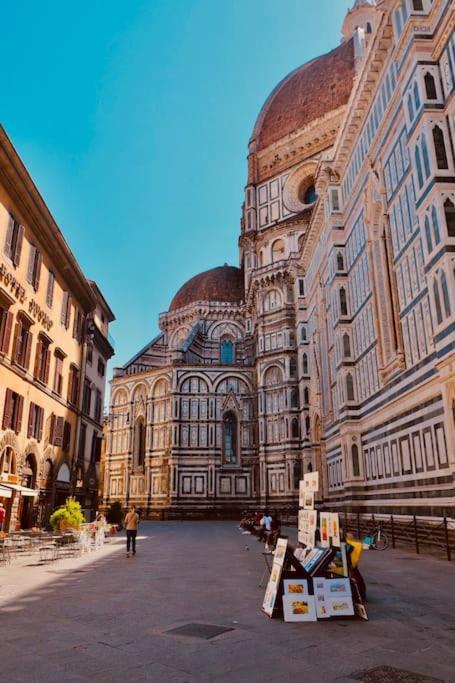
(58,375)
(66,310)
(73,385)
(42,360)
(35,422)
(56,430)
(22,345)
(50,289)
(34,267)
(6,325)
(12,411)
(14,239)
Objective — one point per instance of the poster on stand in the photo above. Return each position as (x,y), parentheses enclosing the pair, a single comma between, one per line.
(334,530)
(311,481)
(280,551)
(299,608)
(269,601)
(308,520)
(308,502)
(324,525)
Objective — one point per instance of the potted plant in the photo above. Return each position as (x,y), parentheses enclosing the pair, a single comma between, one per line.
(68,516)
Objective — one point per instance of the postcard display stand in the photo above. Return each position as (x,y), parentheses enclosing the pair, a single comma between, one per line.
(302,586)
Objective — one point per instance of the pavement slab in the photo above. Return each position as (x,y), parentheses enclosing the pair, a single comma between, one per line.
(105,617)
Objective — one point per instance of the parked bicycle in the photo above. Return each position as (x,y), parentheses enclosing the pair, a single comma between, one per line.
(380,540)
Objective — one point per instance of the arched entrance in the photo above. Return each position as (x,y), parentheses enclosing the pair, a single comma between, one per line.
(8,474)
(27,515)
(62,485)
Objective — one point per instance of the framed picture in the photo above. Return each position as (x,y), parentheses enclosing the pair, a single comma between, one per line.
(316,559)
(338,588)
(319,585)
(308,502)
(324,526)
(334,531)
(322,610)
(269,600)
(311,481)
(340,607)
(299,608)
(295,586)
(280,551)
(275,574)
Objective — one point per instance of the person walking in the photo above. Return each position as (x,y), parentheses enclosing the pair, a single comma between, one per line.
(2,516)
(131,524)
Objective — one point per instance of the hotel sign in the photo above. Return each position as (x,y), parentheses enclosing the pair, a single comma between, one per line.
(18,291)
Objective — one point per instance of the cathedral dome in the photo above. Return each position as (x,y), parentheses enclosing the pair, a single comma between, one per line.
(224,283)
(307,93)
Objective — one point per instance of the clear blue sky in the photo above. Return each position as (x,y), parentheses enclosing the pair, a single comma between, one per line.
(133,117)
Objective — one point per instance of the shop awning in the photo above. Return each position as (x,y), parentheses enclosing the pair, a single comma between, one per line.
(23,490)
(5,493)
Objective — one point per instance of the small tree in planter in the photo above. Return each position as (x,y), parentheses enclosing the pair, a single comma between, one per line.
(68,516)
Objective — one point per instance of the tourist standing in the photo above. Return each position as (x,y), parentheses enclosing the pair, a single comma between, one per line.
(131,524)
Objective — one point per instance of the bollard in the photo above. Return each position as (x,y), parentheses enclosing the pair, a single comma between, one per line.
(416,535)
(446,533)
(393,531)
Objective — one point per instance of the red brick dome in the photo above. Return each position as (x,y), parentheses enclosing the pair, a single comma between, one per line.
(224,283)
(312,90)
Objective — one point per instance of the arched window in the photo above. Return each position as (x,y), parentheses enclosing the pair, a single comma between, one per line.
(293,367)
(369,29)
(294,398)
(449,211)
(139,442)
(8,461)
(426,158)
(440,148)
(303,333)
(306,396)
(295,428)
(297,470)
(434,220)
(277,251)
(355,460)
(340,261)
(428,234)
(418,167)
(305,364)
(343,302)
(307,425)
(410,108)
(272,300)
(437,301)
(445,294)
(346,345)
(349,387)
(416,96)
(430,87)
(230,439)
(417,5)
(227,352)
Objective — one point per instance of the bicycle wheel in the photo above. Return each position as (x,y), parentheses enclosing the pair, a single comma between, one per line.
(380,542)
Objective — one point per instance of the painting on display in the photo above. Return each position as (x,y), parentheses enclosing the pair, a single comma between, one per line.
(295,586)
(334,531)
(340,607)
(324,526)
(338,588)
(308,502)
(269,600)
(308,520)
(299,608)
(311,481)
(280,551)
